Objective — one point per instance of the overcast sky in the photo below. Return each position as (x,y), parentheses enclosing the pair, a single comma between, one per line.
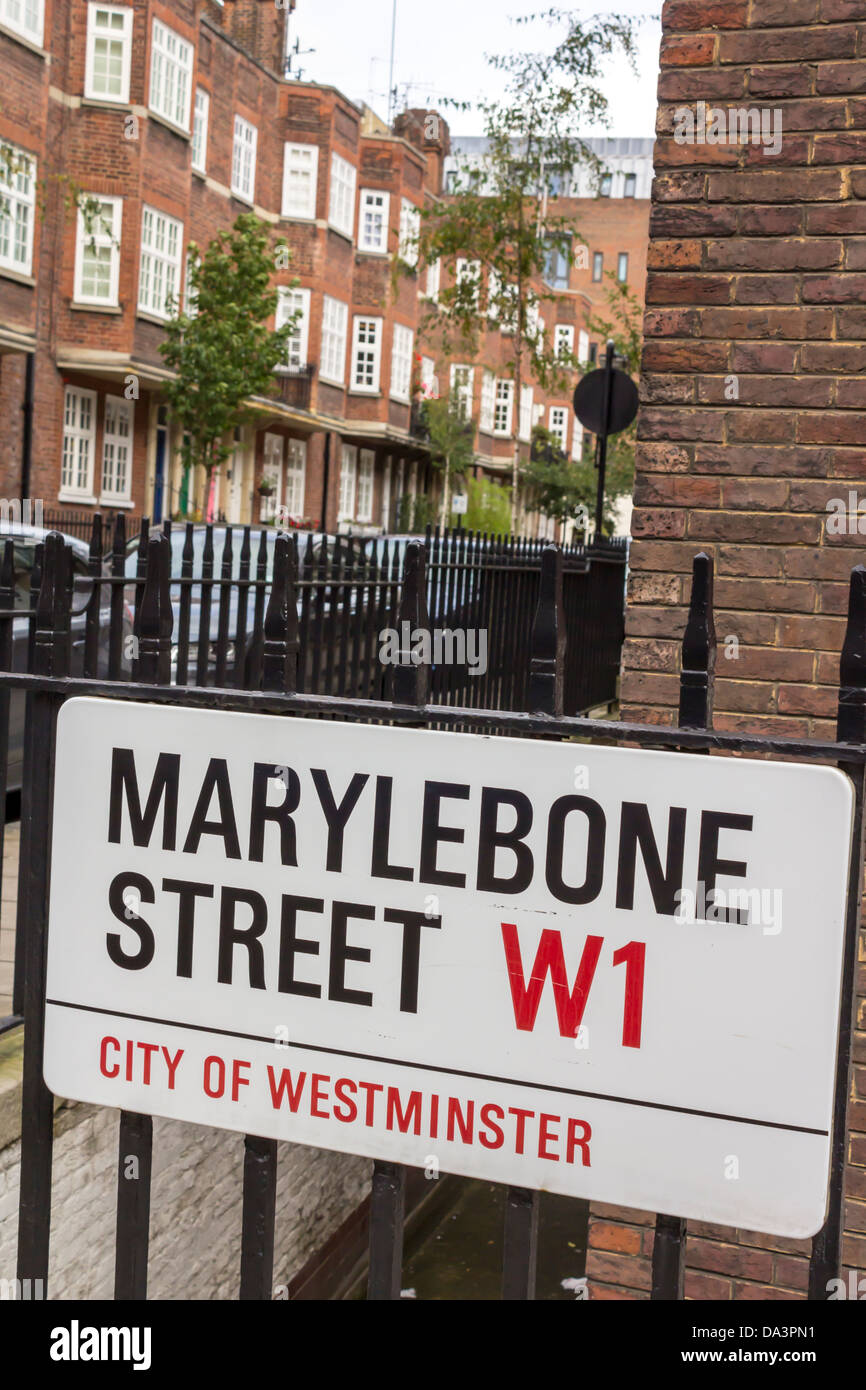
(440,47)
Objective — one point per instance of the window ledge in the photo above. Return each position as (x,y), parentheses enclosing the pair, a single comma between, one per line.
(95,308)
(400,400)
(199,173)
(331,381)
(377,255)
(6,273)
(106,103)
(242,198)
(338,231)
(169,125)
(119,502)
(310,221)
(369,395)
(25,42)
(151,317)
(77,498)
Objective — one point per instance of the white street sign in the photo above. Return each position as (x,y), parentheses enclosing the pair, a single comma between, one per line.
(485,956)
(460,503)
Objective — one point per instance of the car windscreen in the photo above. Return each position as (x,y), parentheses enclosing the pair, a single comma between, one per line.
(178,540)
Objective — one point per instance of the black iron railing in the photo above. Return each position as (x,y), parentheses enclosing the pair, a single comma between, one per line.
(277,684)
(272,685)
(296,385)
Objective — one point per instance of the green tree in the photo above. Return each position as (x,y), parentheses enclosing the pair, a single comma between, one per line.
(452,449)
(221,352)
(567,490)
(558,488)
(502,219)
(489,507)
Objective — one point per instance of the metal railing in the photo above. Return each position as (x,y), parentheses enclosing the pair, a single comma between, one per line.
(276,691)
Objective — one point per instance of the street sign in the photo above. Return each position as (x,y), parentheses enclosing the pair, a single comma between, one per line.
(605,403)
(460,503)
(610,973)
(589,401)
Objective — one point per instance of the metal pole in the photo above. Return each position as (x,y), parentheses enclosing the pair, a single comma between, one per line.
(27,432)
(326,471)
(601,441)
(391,68)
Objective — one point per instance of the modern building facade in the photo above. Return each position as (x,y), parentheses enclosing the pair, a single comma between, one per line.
(169,118)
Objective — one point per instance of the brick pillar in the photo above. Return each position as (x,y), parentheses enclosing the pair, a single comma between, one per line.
(750,427)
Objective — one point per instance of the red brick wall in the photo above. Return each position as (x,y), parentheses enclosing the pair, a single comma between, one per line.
(751,423)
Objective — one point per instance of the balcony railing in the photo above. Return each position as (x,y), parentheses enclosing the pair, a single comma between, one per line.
(418,424)
(296,385)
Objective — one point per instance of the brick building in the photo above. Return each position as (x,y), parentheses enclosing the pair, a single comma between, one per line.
(175,116)
(751,431)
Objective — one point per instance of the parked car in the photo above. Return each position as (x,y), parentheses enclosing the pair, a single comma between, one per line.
(178,542)
(26,539)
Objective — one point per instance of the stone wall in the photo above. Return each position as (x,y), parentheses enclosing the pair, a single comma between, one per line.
(195,1220)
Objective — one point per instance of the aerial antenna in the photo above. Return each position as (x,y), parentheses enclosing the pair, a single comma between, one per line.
(296,52)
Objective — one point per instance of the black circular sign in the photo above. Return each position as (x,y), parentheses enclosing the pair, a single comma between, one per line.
(589,401)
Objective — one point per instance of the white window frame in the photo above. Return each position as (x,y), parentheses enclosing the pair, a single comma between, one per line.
(434,278)
(170,265)
(335,332)
(462,388)
(13,16)
(272,465)
(494,295)
(365,486)
(525,419)
(190,299)
(200,121)
(488,402)
(348,483)
(341,196)
(597,263)
(563,339)
(402,346)
(583,347)
(123,37)
(296,477)
(429,382)
(297,348)
(629,183)
(244,145)
(17,208)
(558,425)
(171,64)
(300,173)
(410,230)
(113,437)
(622,267)
(503,408)
(76,435)
(466,270)
(371,350)
(376,203)
(99,240)
(577,441)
